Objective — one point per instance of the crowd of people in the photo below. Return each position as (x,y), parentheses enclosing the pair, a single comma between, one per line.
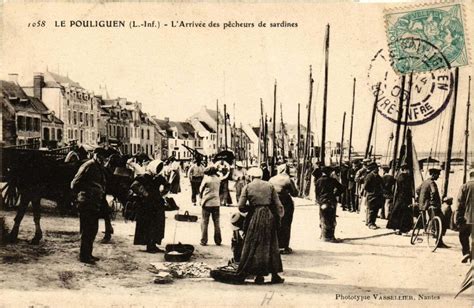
(265,204)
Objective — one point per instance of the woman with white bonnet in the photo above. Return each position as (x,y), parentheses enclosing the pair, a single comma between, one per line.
(260,253)
(150,212)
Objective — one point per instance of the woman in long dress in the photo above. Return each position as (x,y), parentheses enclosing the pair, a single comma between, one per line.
(150,213)
(260,253)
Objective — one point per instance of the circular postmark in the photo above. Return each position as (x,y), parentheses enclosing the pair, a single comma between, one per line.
(430,91)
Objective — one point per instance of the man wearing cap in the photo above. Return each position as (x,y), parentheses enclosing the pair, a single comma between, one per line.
(195,175)
(89,184)
(388,186)
(285,188)
(465,216)
(327,189)
(374,189)
(344,172)
(210,202)
(360,181)
(429,197)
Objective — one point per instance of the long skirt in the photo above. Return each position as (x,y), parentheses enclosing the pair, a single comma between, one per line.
(401,217)
(239,184)
(260,254)
(327,221)
(150,227)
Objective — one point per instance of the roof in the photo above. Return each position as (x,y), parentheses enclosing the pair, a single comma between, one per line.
(164,125)
(185,130)
(62,80)
(22,102)
(207,127)
(47,116)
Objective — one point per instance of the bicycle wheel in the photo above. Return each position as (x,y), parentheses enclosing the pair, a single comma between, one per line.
(415,232)
(433,233)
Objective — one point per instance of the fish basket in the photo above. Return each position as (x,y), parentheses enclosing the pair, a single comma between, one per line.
(186,217)
(178,252)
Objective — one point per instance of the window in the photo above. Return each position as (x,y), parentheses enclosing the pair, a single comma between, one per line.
(69,116)
(59,134)
(126,132)
(74,118)
(67,102)
(92,120)
(148,134)
(53,135)
(80,117)
(46,134)
(36,124)
(143,134)
(29,124)
(75,134)
(87,119)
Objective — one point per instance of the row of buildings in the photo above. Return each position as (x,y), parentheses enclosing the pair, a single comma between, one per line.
(54,111)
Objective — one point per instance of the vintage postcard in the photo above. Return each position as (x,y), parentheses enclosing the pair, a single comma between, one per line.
(236,154)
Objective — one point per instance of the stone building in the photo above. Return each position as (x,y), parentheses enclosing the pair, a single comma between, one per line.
(71,103)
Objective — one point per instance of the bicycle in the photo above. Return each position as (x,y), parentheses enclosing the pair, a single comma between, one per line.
(432,229)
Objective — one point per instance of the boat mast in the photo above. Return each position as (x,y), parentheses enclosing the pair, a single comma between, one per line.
(372,122)
(325,96)
(447,168)
(308,131)
(342,139)
(352,120)
(466,133)
(399,121)
(274,145)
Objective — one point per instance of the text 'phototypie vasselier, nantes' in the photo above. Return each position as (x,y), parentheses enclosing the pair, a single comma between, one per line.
(156,24)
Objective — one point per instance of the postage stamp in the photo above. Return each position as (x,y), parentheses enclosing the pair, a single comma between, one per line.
(418,37)
(429,94)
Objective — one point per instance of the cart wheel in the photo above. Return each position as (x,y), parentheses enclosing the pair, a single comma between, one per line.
(10,196)
(415,232)
(433,233)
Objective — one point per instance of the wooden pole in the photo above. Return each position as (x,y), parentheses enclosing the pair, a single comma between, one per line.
(342,139)
(282,132)
(466,133)
(407,108)
(242,149)
(225,126)
(352,120)
(325,96)
(449,151)
(217,121)
(397,131)
(372,122)
(261,134)
(274,145)
(308,132)
(265,140)
(298,145)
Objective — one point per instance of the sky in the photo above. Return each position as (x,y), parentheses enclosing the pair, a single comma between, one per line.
(175,71)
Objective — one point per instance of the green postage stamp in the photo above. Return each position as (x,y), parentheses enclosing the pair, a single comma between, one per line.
(426,38)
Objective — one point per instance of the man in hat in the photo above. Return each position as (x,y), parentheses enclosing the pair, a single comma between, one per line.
(285,188)
(356,165)
(429,197)
(388,186)
(465,216)
(344,174)
(89,184)
(238,175)
(327,189)
(195,175)
(360,175)
(373,187)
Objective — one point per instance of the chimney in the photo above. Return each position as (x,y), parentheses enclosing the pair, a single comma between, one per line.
(38,83)
(13,77)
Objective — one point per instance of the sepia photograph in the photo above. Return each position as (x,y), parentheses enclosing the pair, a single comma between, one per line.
(236,153)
